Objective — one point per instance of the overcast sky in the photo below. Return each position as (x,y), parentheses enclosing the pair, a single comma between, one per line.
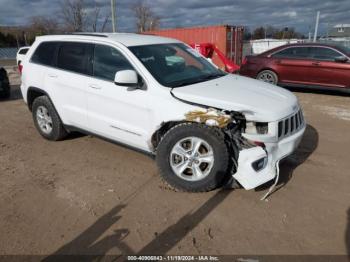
(299,14)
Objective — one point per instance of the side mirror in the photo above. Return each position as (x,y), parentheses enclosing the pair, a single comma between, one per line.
(126,78)
(341,59)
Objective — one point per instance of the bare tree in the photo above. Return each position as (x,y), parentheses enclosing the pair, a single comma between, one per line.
(43,25)
(94,19)
(96,14)
(145,18)
(74,15)
(105,23)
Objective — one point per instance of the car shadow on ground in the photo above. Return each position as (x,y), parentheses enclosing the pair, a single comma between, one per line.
(306,147)
(173,234)
(84,247)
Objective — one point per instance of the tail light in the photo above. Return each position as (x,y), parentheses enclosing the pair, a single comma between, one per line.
(20,68)
(245,60)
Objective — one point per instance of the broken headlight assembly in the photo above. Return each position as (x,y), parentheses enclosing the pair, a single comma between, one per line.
(257,128)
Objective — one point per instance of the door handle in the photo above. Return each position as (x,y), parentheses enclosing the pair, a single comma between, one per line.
(316,63)
(95,87)
(53,75)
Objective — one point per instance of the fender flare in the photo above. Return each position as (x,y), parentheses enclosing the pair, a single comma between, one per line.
(37,90)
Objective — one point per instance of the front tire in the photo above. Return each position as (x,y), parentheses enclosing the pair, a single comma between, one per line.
(193,157)
(47,120)
(268,76)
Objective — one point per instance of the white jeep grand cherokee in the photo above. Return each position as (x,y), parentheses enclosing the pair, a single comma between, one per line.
(158,95)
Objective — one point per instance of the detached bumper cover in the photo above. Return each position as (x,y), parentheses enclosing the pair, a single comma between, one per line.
(248,177)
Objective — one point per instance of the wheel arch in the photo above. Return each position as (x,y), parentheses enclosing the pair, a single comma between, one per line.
(161,131)
(33,93)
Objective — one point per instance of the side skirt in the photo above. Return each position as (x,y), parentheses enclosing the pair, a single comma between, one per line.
(144,152)
(345,90)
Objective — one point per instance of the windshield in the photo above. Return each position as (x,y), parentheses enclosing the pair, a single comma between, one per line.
(175,65)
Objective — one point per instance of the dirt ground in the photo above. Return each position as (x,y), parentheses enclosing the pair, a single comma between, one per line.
(88,196)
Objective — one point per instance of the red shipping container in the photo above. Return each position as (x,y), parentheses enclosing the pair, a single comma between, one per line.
(228,39)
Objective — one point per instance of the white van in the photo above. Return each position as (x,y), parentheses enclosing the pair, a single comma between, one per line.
(158,95)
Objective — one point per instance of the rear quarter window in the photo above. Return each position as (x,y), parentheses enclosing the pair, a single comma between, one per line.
(23,51)
(44,54)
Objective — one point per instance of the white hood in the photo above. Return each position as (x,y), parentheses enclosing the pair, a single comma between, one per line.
(257,100)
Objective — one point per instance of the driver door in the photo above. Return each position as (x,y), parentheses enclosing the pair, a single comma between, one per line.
(326,71)
(117,112)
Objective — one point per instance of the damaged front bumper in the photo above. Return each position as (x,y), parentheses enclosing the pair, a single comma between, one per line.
(258,165)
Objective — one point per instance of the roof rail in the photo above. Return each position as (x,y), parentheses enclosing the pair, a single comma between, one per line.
(88,34)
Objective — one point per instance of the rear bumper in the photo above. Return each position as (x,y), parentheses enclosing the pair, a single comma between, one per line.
(248,177)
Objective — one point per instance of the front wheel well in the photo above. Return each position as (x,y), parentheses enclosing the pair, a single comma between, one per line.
(159,133)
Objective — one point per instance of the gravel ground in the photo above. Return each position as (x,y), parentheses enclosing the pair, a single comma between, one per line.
(87,196)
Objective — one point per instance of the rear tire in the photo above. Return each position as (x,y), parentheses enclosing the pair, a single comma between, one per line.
(47,120)
(193,157)
(268,76)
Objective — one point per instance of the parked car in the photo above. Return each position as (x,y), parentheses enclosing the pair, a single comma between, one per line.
(160,96)
(5,89)
(302,65)
(20,55)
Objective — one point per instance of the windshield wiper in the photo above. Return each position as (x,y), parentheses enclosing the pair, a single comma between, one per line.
(200,79)
(212,76)
(186,83)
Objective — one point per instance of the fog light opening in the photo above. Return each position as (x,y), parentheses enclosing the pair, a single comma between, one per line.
(259,164)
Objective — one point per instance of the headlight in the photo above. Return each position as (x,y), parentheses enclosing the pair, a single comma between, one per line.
(255,128)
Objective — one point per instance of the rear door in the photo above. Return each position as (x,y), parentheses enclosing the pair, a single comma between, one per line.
(67,80)
(291,64)
(327,71)
(34,71)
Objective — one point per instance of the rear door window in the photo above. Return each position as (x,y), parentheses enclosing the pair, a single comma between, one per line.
(45,53)
(293,52)
(75,57)
(108,61)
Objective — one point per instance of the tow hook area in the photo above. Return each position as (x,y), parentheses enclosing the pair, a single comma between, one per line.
(255,168)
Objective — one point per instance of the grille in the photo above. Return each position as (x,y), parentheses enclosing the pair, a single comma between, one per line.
(290,125)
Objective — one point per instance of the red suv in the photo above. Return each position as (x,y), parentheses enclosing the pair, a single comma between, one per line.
(302,65)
